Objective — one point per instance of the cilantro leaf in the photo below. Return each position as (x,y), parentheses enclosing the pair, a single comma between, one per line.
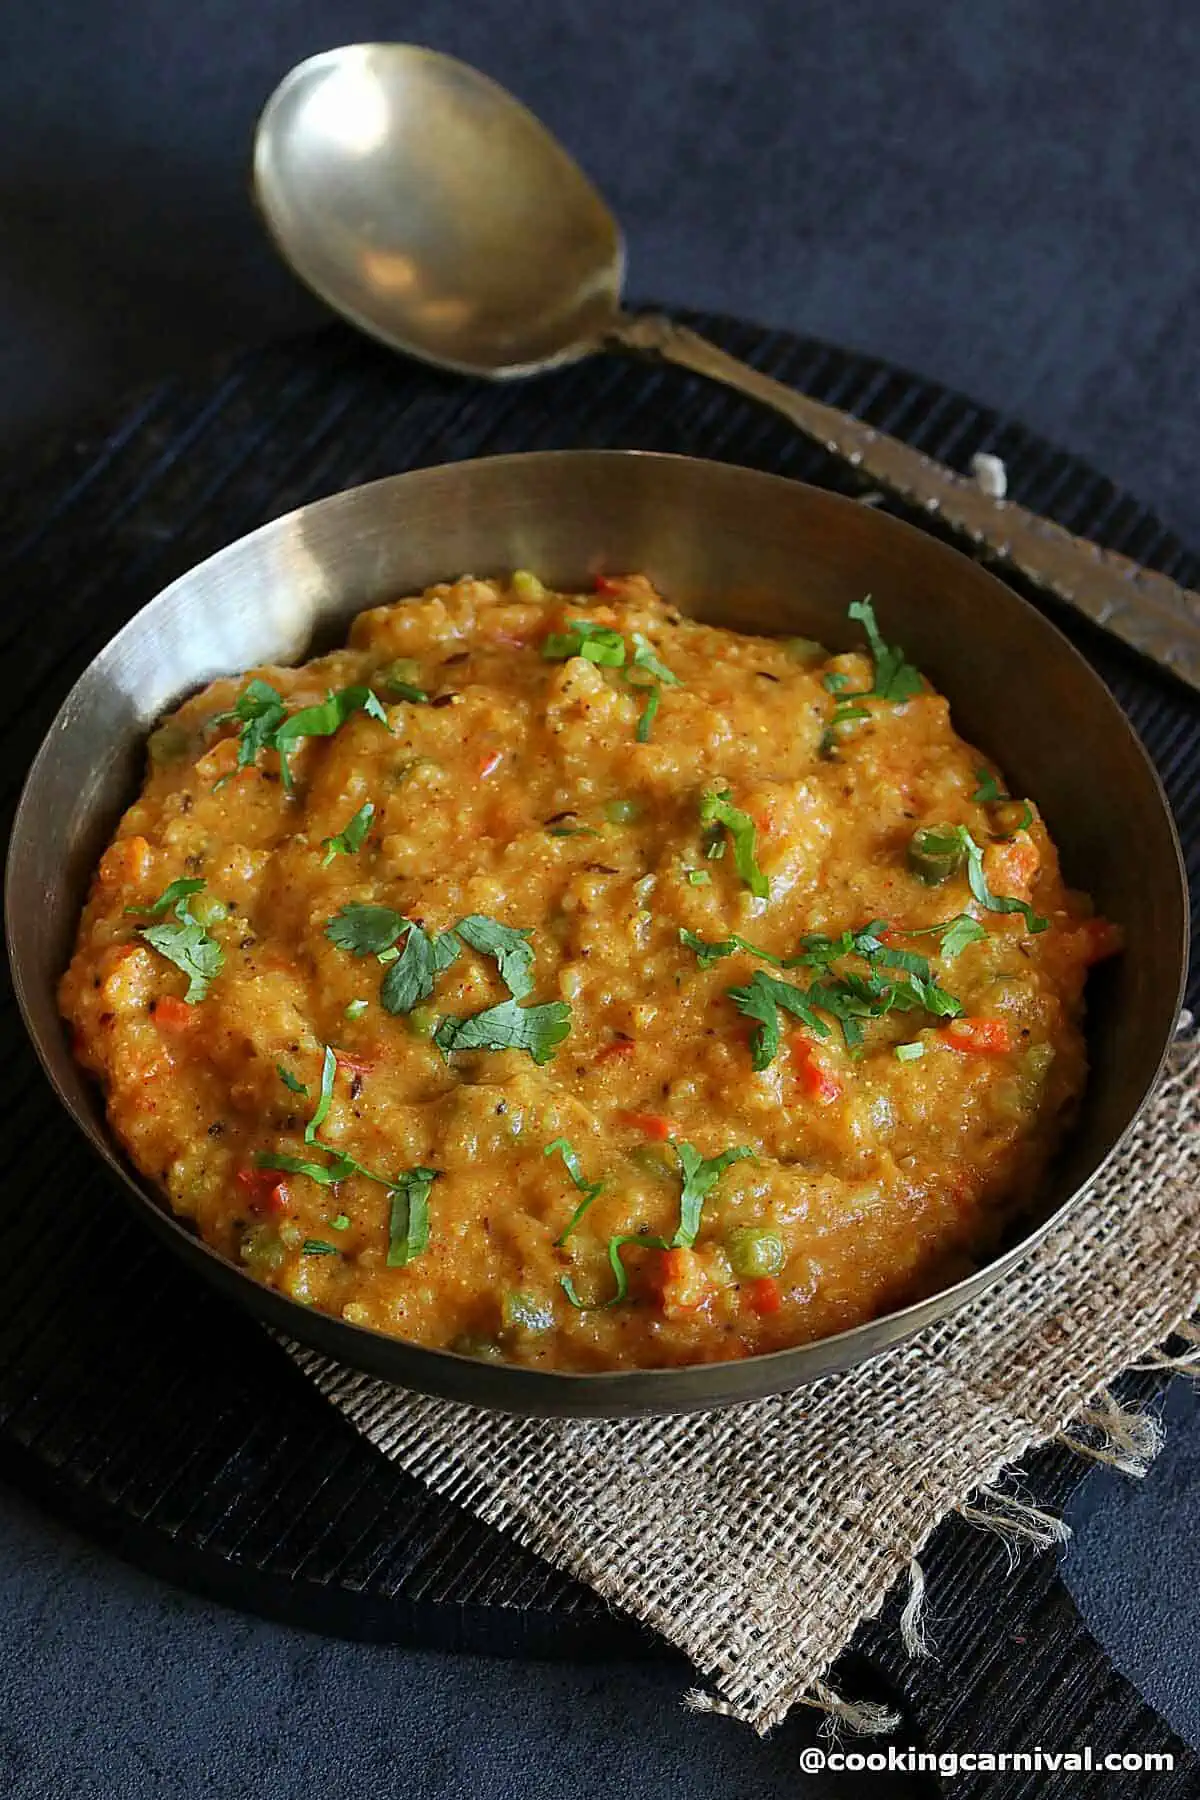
(327,716)
(365,930)
(326,1175)
(708,950)
(700,1176)
(401,679)
(761,1000)
(352,836)
(408,1226)
(583,637)
(999,903)
(510,947)
(620,1277)
(318,1247)
(290,1081)
(267,725)
(321,1110)
(960,932)
(644,657)
(509,1026)
(175,895)
(411,976)
(191,950)
(589,1189)
(717,808)
(649,713)
(989,788)
(895,678)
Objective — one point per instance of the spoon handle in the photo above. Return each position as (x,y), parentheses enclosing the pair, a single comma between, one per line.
(1145,610)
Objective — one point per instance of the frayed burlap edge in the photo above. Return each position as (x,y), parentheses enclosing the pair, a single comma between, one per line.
(757,1538)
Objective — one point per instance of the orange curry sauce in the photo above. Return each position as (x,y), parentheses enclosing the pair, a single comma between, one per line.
(583,985)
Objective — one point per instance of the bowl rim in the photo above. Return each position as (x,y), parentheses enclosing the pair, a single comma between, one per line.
(554,1392)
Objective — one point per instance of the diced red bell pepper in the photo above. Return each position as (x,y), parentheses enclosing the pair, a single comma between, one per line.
(654,1126)
(814,1079)
(762,1295)
(265,1190)
(979,1037)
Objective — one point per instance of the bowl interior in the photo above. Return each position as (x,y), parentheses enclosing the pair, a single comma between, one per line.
(740,548)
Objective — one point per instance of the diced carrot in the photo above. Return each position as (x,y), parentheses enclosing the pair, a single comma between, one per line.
(173,1014)
(128,860)
(654,1126)
(620,1047)
(265,1190)
(763,1295)
(1101,939)
(609,584)
(489,764)
(813,1078)
(680,1280)
(981,1037)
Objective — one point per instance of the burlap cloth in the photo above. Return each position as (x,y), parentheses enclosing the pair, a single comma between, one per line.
(756,1538)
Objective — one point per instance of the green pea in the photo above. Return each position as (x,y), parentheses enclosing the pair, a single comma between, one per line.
(402,678)
(623,812)
(753,1253)
(806,650)
(525,1313)
(423,1021)
(935,853)
(168,744)
(208,909)
(260,1249)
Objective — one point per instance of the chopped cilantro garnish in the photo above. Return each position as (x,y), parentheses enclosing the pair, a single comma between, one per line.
(989,788)
(909,1052)
(649,713)
(351,838)
(717,808)
(365,930)
(290,1081)
(401,679)
(644,657)
(509,946)
(191,949)
(267,725)
(761,1000)
(895,678)
(187,944)
(408,1227)
(326,1174)
(960,932)
(1000,903)
(536,1029)
(318,1247)
(574,1168)
(697,877)
(357,1008)
(341,1223)
(709,951)
(411,976)
(174,895)
(700,1176)
(583,637)
(321,1110)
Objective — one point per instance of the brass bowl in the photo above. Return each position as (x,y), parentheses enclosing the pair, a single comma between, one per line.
(742,549)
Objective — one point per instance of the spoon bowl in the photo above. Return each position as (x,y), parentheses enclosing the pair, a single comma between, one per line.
(422,201)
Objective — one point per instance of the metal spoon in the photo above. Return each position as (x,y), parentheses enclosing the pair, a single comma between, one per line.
(424,203)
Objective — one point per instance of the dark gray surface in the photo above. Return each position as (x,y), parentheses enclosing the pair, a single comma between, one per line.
(1003,197)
